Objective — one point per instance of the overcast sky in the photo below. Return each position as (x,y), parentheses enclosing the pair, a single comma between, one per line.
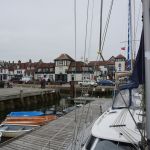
(43,29)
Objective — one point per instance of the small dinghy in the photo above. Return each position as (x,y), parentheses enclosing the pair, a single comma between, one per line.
(32,120)
(7,130)
(26,114)
(28,118)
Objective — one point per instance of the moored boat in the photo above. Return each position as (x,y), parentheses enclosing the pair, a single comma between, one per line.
(26,114)
(120,126)
(8,130)
(29,120)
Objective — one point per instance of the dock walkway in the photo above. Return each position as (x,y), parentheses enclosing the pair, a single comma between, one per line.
(59,134)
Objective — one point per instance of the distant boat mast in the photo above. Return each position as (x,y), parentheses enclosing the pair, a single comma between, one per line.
(130,50)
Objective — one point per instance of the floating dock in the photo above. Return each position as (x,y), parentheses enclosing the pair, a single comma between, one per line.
(63,133)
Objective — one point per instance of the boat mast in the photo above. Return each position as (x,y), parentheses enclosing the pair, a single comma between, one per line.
(146,15)
(130,50)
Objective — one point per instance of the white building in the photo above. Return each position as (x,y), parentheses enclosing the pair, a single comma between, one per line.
(4,72)
(120,62)
(62,64)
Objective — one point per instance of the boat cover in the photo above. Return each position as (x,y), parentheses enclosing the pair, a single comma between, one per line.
(26,113)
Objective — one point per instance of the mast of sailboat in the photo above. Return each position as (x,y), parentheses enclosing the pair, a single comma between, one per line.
(130,48)
(146,18)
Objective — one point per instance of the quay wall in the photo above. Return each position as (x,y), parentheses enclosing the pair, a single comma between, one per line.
(22,99)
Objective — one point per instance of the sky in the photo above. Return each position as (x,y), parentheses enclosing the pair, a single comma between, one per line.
(44,29)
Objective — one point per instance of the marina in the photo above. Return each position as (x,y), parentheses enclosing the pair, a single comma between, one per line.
(75,75)
(59,133)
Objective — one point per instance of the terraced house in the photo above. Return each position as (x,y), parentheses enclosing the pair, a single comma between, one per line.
(63,69)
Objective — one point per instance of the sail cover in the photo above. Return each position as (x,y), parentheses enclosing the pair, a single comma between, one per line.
(138,75)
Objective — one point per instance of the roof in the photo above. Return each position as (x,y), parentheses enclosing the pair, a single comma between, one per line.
(64,57)
(46,65)
(112,58)
(97,63)
(120,56)
(79,66)
(101,63)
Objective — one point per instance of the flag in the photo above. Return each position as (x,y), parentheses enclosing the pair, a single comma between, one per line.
(123,48)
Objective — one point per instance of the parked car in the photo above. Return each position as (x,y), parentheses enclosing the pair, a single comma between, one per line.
(26,79)
(87,82)
(16,80)
(105,83)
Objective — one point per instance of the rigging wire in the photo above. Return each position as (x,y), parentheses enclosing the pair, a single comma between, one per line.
(104,34)
(77,126)
(75,48)
(75,40)
(100,32)
(91,28)
(134,46)
(86,32)
(106,27)
(107,24)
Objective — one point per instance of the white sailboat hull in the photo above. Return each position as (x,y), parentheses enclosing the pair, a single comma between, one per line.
(118,125)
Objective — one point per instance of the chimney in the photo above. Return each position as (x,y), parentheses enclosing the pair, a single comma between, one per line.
(19,62)
(30,61)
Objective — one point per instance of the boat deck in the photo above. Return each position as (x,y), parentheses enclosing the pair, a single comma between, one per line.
(59,134)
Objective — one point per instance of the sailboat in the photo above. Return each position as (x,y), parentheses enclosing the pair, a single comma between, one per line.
(122,127)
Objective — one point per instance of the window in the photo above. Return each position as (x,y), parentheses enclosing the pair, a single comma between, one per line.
(90,69)
(39,70)
(90,142)
(4,76)
(66,70)
(60,63)
(51,77)
(19,72)
(121,99)
(119,67)
(45,70)
(68,63)
(51,69)
(85,68)
(73,69)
